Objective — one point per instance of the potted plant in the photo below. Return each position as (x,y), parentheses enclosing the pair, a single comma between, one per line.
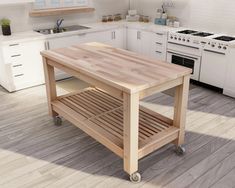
(6,29)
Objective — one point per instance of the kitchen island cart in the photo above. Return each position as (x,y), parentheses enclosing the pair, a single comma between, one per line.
(110,110)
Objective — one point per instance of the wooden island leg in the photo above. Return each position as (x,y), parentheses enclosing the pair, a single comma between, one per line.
(50,86)
(131,134)
(181,103)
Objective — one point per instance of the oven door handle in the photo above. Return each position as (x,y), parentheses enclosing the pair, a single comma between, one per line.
(182,55)
(211,51)
(184,45)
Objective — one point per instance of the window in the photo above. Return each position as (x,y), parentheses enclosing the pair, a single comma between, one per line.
(44,4)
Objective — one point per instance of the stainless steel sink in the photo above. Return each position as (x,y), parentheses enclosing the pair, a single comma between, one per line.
(62,30)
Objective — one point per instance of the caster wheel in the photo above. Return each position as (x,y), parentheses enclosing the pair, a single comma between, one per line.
(135,177)
(57,121)
(180,150)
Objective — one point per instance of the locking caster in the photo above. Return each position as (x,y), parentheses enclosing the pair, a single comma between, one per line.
(135,177)
(180,150)
(57,121)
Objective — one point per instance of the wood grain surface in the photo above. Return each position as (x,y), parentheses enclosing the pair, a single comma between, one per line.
(127,71)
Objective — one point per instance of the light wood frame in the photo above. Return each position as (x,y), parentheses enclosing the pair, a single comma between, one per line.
(128,146)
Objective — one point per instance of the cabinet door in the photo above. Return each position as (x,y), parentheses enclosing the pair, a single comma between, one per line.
(145,42)
(117,38)
(63,42)
(92,37)
(229,87)
(133,40)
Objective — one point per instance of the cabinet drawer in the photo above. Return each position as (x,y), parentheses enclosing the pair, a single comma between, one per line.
(14,48)
(17,69)
(19,78)
(159,46)
(160,55)
(159,37)
(12,54)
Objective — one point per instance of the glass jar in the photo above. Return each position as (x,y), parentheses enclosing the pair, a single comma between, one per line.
(146,19)
(104,19)
(110,18)
(141,19)
(117,17)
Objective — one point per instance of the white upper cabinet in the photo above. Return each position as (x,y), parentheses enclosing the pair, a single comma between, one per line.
(9,2)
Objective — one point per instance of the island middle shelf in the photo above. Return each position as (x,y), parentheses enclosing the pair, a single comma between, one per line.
(101,116)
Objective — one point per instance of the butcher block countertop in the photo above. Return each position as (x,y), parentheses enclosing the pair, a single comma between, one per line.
(119,68)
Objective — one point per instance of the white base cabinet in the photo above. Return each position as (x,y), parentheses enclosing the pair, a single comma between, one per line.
(158,45)
(138,41)
(21,65)
(213,68)
(116,38)
(229,86)
(148,43)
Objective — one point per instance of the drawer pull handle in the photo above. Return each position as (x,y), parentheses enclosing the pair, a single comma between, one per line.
(18,75)
(18,55)
(159,43)
(161,34)
(19,65)
(158,52)
(14,45)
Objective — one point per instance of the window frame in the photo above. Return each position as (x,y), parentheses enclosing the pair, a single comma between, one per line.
(48,4)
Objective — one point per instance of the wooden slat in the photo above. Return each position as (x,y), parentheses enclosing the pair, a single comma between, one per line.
(89,106)
(101,135)
(157,141)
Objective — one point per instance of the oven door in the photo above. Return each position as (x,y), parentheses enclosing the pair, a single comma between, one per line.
(192,62)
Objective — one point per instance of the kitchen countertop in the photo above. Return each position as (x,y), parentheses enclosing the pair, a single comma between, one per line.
(95,27)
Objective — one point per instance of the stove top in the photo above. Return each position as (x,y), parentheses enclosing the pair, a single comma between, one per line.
(187,32)
(225,38)
(202,34)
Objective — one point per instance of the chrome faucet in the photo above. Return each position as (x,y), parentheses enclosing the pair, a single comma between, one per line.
(59,23)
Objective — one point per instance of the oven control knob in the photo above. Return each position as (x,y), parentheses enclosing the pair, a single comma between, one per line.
(225,48)
(175,38)
(171,37)
(184,40)
(213,45)
(180,39)
(188,40)
(219,47)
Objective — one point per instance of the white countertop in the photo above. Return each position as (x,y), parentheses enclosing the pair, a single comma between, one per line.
(95,27)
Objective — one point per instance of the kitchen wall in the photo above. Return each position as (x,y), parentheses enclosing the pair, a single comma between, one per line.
(22,22)
(211,15)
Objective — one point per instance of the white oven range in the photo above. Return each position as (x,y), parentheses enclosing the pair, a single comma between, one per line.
(206,53)
(185,48)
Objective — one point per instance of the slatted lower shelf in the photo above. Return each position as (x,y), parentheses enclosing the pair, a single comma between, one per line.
(101,116)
